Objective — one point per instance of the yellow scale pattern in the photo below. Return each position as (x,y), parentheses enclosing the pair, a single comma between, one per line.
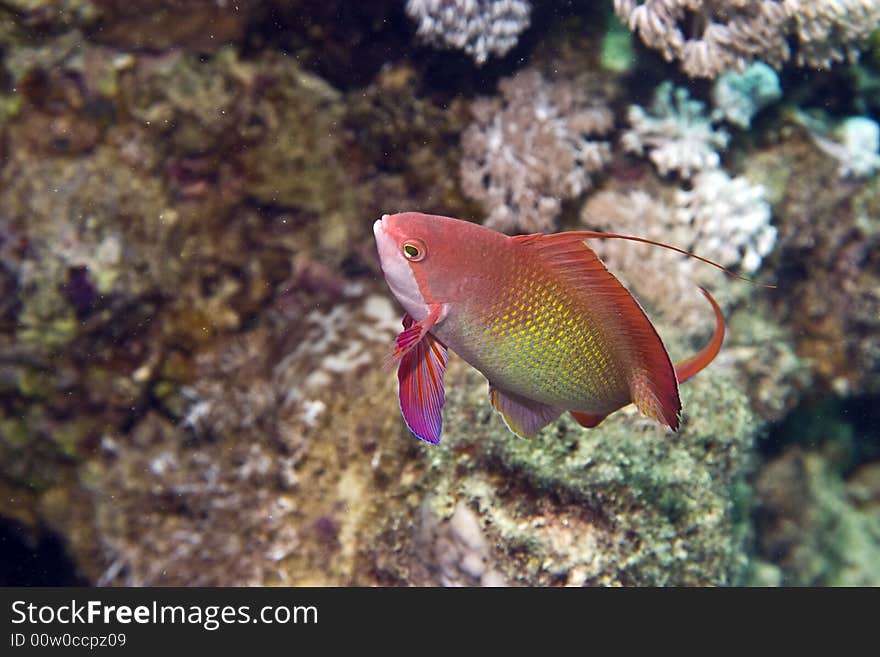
(538,340)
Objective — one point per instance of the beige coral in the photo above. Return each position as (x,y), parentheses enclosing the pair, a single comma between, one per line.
(534,148)
(709,37)
(724,219)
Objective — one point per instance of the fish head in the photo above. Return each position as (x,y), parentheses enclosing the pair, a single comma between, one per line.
(426,259)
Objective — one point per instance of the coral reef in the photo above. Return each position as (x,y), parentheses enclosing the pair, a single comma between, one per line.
(186,517)
(730,34)
(618,55)
(155,205)
(478,27)
(156,25)
(721,218)
(676,133)
(179,490)
(856,148)
(819,528)
(727,220)
(523,155)
(457,546)
(623,504)
(828,268)
(728,217)
(193,323)
(767,364)
(709,37)
(832,30)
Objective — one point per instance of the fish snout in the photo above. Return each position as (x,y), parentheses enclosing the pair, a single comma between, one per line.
(378,227)
(385,243)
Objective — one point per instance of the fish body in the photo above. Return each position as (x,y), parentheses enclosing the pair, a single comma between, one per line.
(539,315)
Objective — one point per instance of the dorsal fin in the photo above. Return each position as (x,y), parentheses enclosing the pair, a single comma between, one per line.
(650,375)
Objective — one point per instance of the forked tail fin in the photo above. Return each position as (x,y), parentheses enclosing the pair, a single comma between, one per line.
(690,366)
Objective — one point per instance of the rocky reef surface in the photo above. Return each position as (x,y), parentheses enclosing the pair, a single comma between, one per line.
(193,324)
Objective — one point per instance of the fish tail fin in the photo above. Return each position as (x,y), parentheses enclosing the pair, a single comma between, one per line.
(690,366)
(589,234)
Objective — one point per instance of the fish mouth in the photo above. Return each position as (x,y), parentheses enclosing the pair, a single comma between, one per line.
(384,242)
(396,269)
(377,226)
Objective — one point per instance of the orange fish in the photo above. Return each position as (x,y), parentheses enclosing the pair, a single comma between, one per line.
(539,315)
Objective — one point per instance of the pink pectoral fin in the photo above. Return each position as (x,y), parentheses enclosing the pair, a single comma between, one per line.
(411,334)
(414,331)
(420,390)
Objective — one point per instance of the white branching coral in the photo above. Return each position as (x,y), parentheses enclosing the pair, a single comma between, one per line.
(729,218)
(856,146)
(709,37)
(532,149)
(724,219)
(676,133)
(479,27)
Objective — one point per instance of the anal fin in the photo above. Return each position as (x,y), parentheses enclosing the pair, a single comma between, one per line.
(587,420)
(524,417)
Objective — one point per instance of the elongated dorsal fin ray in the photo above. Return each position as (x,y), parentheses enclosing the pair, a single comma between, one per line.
(645,364)
(687,368)
(589,234)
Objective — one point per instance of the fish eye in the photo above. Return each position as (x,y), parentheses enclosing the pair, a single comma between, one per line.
(414,250)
